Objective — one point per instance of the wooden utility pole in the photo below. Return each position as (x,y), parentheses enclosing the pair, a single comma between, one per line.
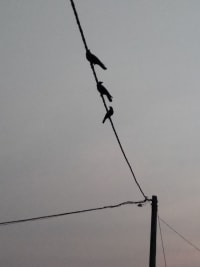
(152,256)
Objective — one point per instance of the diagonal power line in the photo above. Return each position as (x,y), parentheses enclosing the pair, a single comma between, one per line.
(181,236)
(104,102)
(71,212)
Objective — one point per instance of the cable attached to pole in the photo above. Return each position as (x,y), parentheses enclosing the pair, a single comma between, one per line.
(139,203)
(162,242)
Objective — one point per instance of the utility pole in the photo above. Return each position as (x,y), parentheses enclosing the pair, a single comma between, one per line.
(152,256)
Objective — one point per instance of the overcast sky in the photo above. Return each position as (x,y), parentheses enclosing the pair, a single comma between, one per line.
(57,156)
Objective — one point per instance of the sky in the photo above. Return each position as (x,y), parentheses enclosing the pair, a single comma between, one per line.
(57,156)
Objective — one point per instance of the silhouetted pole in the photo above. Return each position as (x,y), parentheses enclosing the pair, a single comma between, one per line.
(152,256)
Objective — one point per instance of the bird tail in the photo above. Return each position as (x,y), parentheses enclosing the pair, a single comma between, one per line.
(102,65)
(104,119)
(109,97)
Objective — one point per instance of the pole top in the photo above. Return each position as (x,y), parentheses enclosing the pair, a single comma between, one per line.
(154,199)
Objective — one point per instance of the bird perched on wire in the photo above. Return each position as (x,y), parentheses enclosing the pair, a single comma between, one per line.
(103,91)
(108,114)
(94,60)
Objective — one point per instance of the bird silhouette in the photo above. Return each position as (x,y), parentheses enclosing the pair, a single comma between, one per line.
(103,91)
(108,114)
(94,60)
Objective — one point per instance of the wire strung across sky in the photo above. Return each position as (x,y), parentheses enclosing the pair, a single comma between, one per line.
(181,236)
(104,102)
(120,145)
(139,203)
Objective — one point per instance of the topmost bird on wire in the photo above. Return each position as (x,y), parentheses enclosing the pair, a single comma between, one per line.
(94,60)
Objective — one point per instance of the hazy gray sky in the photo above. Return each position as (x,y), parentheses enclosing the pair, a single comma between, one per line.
(57,156)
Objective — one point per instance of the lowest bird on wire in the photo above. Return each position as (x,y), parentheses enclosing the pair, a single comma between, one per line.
(108,114)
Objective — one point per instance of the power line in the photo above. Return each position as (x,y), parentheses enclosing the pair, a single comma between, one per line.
(79,25)
(186,240)
(104,102)
(71,212)
(161,236)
